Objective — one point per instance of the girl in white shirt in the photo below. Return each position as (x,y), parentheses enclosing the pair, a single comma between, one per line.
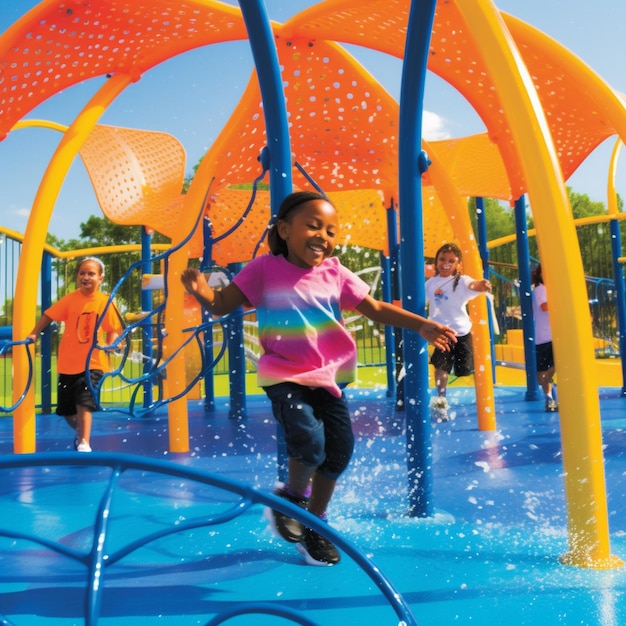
(447,295)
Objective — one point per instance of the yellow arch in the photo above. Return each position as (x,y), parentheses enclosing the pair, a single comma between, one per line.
(25,298)
(580,411)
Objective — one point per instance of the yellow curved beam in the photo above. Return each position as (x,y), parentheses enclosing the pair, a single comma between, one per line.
(25,297)
(35,123)
(579,406)
(611,192)
(581,221)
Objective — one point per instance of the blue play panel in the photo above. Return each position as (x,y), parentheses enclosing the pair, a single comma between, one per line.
(133,534)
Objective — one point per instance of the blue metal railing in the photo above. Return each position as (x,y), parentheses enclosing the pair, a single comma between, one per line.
(100,557)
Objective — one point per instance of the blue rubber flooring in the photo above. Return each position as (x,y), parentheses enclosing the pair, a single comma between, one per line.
(489,555)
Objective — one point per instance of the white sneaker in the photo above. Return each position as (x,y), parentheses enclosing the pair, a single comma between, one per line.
(551,405)
(439,409)
(83,447)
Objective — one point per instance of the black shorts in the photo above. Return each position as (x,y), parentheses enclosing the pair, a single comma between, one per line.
(544,356)
(460,359)
(73,390)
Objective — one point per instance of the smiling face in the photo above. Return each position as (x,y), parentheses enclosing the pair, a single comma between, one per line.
(447,263)
(309,232)
(89,277)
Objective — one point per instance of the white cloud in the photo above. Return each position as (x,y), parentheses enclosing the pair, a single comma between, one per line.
(434,127)
(23,213)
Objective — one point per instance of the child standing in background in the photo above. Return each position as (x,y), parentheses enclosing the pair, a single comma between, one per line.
(80,310)
(543,340)
(299,291)
(447,295)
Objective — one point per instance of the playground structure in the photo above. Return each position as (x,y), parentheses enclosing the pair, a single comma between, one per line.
(499,64)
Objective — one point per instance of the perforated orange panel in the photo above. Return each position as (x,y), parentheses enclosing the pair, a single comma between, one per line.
(343,125)
(60,43)
(577,117)
(227,208)
(137,175)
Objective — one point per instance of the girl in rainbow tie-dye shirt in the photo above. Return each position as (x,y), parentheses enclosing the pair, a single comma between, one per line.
(299,292)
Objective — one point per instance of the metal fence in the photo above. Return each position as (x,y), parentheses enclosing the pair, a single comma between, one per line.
(595,245)
(370,337)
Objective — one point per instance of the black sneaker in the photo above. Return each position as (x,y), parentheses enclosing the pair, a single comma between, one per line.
(284,526)
(317,550)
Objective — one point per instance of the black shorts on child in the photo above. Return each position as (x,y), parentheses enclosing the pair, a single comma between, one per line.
(544,357)
(460,359)
(73,390)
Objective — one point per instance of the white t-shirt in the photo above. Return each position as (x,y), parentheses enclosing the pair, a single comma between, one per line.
(543,332)
(449,306)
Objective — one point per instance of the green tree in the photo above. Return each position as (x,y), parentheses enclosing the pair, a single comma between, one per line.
(500,218)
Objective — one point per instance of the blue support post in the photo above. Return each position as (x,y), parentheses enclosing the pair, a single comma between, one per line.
(618,276)
(263,48)
(389,289)
(205,266)
(265,56)
(46,341)
(481,220)
(412,163)
(233,335)
(525,297)
(146,324)
(390,352)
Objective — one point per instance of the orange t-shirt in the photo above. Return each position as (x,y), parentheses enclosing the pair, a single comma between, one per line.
(80,314)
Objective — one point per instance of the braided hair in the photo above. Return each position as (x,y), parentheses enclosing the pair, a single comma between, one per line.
(286,210)
(454,249)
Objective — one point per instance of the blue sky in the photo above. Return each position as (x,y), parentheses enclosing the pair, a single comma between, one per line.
(196,109)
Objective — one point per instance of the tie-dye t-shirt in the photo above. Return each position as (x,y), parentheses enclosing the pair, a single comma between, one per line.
(300,325)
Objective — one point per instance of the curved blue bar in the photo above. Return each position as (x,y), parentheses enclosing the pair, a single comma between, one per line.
(100,557)
(410,155)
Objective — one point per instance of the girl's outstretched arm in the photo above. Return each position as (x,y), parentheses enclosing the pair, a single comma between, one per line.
(480,285)
(384,313)
(216,301)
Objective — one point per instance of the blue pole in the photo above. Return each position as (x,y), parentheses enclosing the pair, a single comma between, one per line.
(618,274)
(525,298)
(146,325)
(46,341)
(265,55)
(412,163)
(395,334)
(389,286)
(205,266)
(233,335)
(481,220)
(267,66)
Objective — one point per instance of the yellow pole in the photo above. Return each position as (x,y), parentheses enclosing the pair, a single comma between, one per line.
(178,422)
(611,192)
(573,342)
(25,297)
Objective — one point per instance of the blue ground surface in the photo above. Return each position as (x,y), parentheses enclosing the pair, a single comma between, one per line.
(488,556)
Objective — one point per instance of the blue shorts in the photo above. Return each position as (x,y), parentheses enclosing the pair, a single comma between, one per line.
(318,430)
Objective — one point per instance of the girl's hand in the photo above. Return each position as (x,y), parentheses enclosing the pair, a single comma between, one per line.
(481,285)
(191,278)
(440,336)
